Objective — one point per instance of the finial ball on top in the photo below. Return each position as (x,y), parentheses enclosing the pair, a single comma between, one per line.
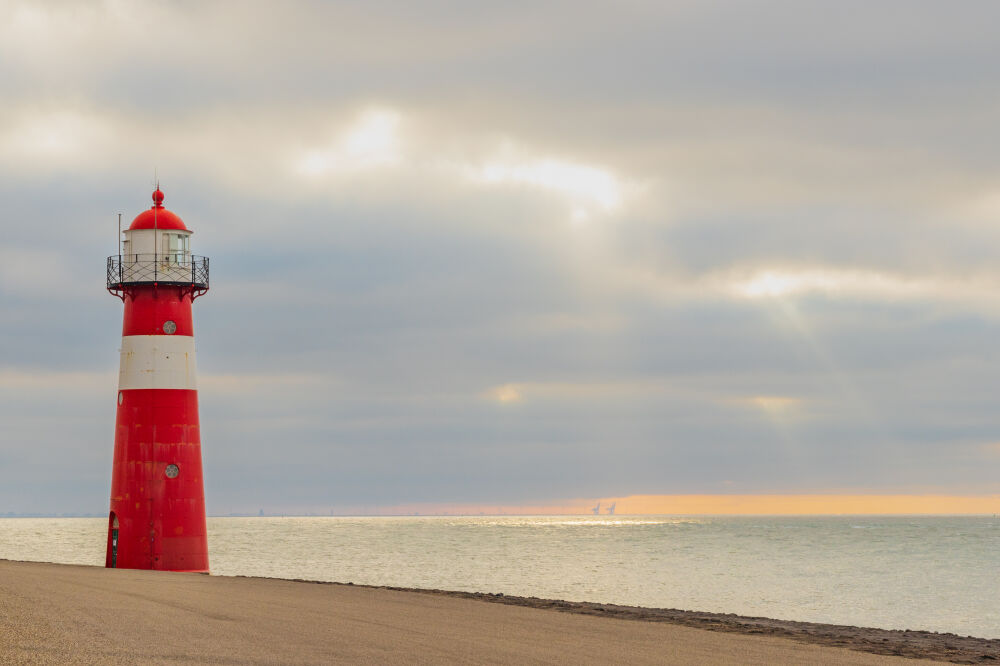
(158,198)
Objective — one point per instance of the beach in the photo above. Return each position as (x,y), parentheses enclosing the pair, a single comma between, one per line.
(54,613)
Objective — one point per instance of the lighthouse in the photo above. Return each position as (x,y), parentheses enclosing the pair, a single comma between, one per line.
(157,518)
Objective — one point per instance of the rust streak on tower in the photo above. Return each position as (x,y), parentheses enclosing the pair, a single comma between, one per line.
(157,518)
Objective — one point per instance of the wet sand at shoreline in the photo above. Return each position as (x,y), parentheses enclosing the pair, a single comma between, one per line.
(52,613)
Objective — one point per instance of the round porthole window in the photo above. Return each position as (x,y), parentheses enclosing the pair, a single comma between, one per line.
(169,327)
(172,471)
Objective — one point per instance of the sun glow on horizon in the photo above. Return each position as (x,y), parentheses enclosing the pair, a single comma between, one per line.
(727,505)
(808,504)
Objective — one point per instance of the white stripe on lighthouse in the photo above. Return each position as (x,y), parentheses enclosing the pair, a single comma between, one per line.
(157,362)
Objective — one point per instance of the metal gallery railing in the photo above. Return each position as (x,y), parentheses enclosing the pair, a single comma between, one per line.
(174,268)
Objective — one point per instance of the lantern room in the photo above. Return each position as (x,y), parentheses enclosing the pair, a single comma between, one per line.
(156,250)
(158,231)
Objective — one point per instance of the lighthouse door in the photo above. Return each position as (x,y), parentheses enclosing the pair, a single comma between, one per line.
(114,541)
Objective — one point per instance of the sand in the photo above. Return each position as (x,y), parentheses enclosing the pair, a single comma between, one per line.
(51,613)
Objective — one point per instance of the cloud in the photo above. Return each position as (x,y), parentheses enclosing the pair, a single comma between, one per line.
(51,138)
(689,248)
(506,393)
(863,284)
(41,383)
(34,271)
(583,185)
(992,449)
(774,404)
(369,143)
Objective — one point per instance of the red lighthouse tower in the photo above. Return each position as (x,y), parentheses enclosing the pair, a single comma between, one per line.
(157,518)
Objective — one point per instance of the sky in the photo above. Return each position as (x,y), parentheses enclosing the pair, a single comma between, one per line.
(517,256)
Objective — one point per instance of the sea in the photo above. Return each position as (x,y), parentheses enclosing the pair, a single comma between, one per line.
(923,573)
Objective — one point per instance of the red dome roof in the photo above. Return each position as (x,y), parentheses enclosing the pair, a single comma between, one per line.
(157,217)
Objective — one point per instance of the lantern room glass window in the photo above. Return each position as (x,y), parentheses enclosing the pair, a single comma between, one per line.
(176,247)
